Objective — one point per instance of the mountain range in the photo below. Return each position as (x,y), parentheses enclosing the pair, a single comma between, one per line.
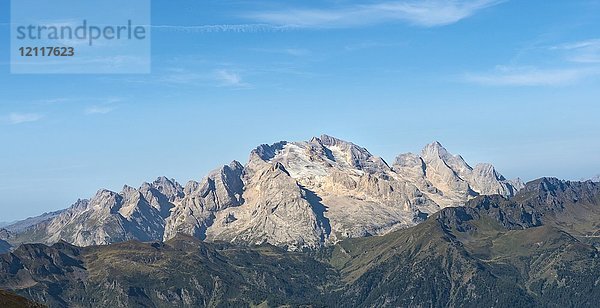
(535,249)
(297,195)
(320,223)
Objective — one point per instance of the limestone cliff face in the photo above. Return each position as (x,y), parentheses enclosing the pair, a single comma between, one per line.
(357,193)
(195,212)
(448,179)
(111,217)
(291,194)
(276,210)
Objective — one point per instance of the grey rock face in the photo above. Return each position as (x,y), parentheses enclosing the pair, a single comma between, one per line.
(111,217)
(5,234)
(24,225)
(276,210)
(195,212)
(449,180)
(291,194)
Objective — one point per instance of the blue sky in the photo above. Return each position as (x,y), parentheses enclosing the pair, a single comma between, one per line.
(514,83)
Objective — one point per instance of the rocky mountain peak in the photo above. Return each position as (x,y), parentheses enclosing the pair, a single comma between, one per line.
(347,153)
(128,189)
(487,170)
(448,179)
(235,165)
(434,150)
(267,152)
(80,204)
(353,149)
(168,187)
(546,184)
(517,183)
(408,160)
(130,194)
(163,181)
(553,192)
(190,186)
(327,140)
(104,196)
(297,194)
(108,200)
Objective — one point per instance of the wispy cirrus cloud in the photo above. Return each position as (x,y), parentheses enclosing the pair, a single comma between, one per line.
(371,44)
(99,110)
(424,13)
(216,77)
(19,118)
(230,78)
(530,76)
(296,52)
(587,51)
(181,76)
(53,101)
(237,28)
(107,106)
(572,62)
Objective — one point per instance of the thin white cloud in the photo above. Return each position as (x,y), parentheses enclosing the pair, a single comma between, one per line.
(177,76)
(229,78)
(99,110)
(296,52)
(52,101)
(587,51)
(180,76)
(238,28)
(579,45)
(19,118)
(371,44)
(104,107)
(425,13)
(530,76)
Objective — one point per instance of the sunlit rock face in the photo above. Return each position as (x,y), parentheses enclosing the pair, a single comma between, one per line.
(297,195)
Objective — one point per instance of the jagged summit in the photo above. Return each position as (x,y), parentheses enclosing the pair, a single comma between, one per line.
(448,179)
(327,140)
(434,149)
(291,194)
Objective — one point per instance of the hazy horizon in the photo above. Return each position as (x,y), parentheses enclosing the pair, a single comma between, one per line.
(505,82)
